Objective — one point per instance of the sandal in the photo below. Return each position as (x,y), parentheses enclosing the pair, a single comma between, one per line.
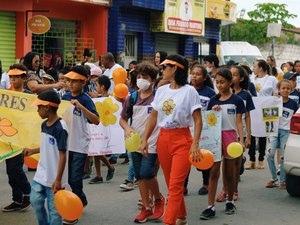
(271,184)
(235,196)
(221,197)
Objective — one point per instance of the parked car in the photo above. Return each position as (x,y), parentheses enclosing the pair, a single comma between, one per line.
(292,157)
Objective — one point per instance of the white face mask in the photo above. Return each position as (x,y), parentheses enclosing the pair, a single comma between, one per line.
(143,84)
(209,69)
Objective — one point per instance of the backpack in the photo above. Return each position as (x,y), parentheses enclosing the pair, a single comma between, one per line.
(132,101)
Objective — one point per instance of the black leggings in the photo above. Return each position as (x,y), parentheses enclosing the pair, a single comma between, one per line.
(205,176)
(262,141)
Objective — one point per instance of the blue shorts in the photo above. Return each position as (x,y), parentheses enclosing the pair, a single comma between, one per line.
(144,167)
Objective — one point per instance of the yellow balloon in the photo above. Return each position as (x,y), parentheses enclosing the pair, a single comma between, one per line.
(132,143)
(235,150)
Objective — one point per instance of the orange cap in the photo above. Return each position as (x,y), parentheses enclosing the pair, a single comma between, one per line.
(75,76)
(43,102)
(168,61)
(16,72)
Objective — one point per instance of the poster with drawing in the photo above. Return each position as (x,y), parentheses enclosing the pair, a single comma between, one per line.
(265,117)
(108,136)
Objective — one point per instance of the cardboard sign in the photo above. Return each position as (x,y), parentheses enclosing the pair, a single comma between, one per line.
(39,24)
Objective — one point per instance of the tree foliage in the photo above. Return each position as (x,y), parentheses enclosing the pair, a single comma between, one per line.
(254,30)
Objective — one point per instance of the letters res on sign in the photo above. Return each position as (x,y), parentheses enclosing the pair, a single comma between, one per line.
(39,24)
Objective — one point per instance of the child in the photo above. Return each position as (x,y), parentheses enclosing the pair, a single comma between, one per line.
(62,79)
(144,165)
(232,108)
(289,109)
(175,107)
(295,94)
(204,86)
(50,77)
(103,85)
(51,175)
(84,112)
(14,166)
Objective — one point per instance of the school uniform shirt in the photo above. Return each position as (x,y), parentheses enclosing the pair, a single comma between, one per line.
(249,105)
(205,94)
(230,108)
(264,86)
(295,95)
(175,106)
(141,113)
(289,109)
(252,89)
(79,137)
(54,139)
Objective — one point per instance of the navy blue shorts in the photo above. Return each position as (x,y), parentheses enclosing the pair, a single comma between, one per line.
(144,167)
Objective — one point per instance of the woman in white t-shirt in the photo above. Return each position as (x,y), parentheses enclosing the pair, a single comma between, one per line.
(4,79)
(174,107)
(265,85)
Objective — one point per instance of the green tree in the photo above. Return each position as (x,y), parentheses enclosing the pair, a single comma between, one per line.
(255,30)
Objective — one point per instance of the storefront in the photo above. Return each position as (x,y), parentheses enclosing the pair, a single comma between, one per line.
(75,25)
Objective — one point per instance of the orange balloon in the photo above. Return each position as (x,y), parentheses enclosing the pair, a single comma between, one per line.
(68,205)
(205,162)
(31,162)
(119,75)
(121,90)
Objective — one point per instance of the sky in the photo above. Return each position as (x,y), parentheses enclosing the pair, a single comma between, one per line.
(292,5)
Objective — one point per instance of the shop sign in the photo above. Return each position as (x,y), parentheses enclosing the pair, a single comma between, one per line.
(221,10)
(181,17)
(39,24)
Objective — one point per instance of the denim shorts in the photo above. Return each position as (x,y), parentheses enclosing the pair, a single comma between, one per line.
(144,167)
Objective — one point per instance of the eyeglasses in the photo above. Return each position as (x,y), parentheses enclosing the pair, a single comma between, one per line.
(37,61)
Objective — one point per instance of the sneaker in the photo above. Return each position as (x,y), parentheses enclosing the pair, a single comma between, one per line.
(136,183)
(260,165)
(272,183)
(230,208)
(159,208)
(221,197)
(203,191)
(26,203)
(126,161)
(127,185)
(70,221)
(12,207)
(86,176)
(123,156)
(250,165)
(96,180)
(208,214)
(110,174)
(143,216)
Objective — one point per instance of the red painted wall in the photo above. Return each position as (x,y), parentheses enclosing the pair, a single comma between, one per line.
(93,18)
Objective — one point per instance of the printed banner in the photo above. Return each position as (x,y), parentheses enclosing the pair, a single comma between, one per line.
(265,117)
(221,10)
(108,136)
(181,17)
(20,124)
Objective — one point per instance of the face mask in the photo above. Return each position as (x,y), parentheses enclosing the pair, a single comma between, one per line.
(209,69)
(143,84)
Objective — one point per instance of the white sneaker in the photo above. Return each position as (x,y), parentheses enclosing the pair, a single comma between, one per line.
(127,185)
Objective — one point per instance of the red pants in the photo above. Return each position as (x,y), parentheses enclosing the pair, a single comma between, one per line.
(173,146)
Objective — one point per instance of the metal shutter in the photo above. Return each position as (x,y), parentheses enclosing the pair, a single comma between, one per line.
(7,39)
(167,42)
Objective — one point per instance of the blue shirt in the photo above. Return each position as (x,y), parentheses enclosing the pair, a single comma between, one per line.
(245,95)
(252,89)
(230,108)
(205,94)
(295,95)
(289,109)
(79,137)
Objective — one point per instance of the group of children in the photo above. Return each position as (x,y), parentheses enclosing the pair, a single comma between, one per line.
(162,114)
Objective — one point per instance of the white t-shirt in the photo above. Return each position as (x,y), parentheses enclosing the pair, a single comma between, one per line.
(265,86)
(289,109)
(5,83)
(54,139)
(109,74)
(175,106)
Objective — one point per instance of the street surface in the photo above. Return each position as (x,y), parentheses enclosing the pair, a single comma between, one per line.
(108,205)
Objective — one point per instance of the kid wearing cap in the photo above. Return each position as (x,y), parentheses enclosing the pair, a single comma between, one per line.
(14,166)
(295,94)
(83,112)
(51,175)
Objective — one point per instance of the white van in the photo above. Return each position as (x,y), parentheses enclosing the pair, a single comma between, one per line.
(239,52)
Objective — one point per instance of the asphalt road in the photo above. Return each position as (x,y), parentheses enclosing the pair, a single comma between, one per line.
(108,205)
